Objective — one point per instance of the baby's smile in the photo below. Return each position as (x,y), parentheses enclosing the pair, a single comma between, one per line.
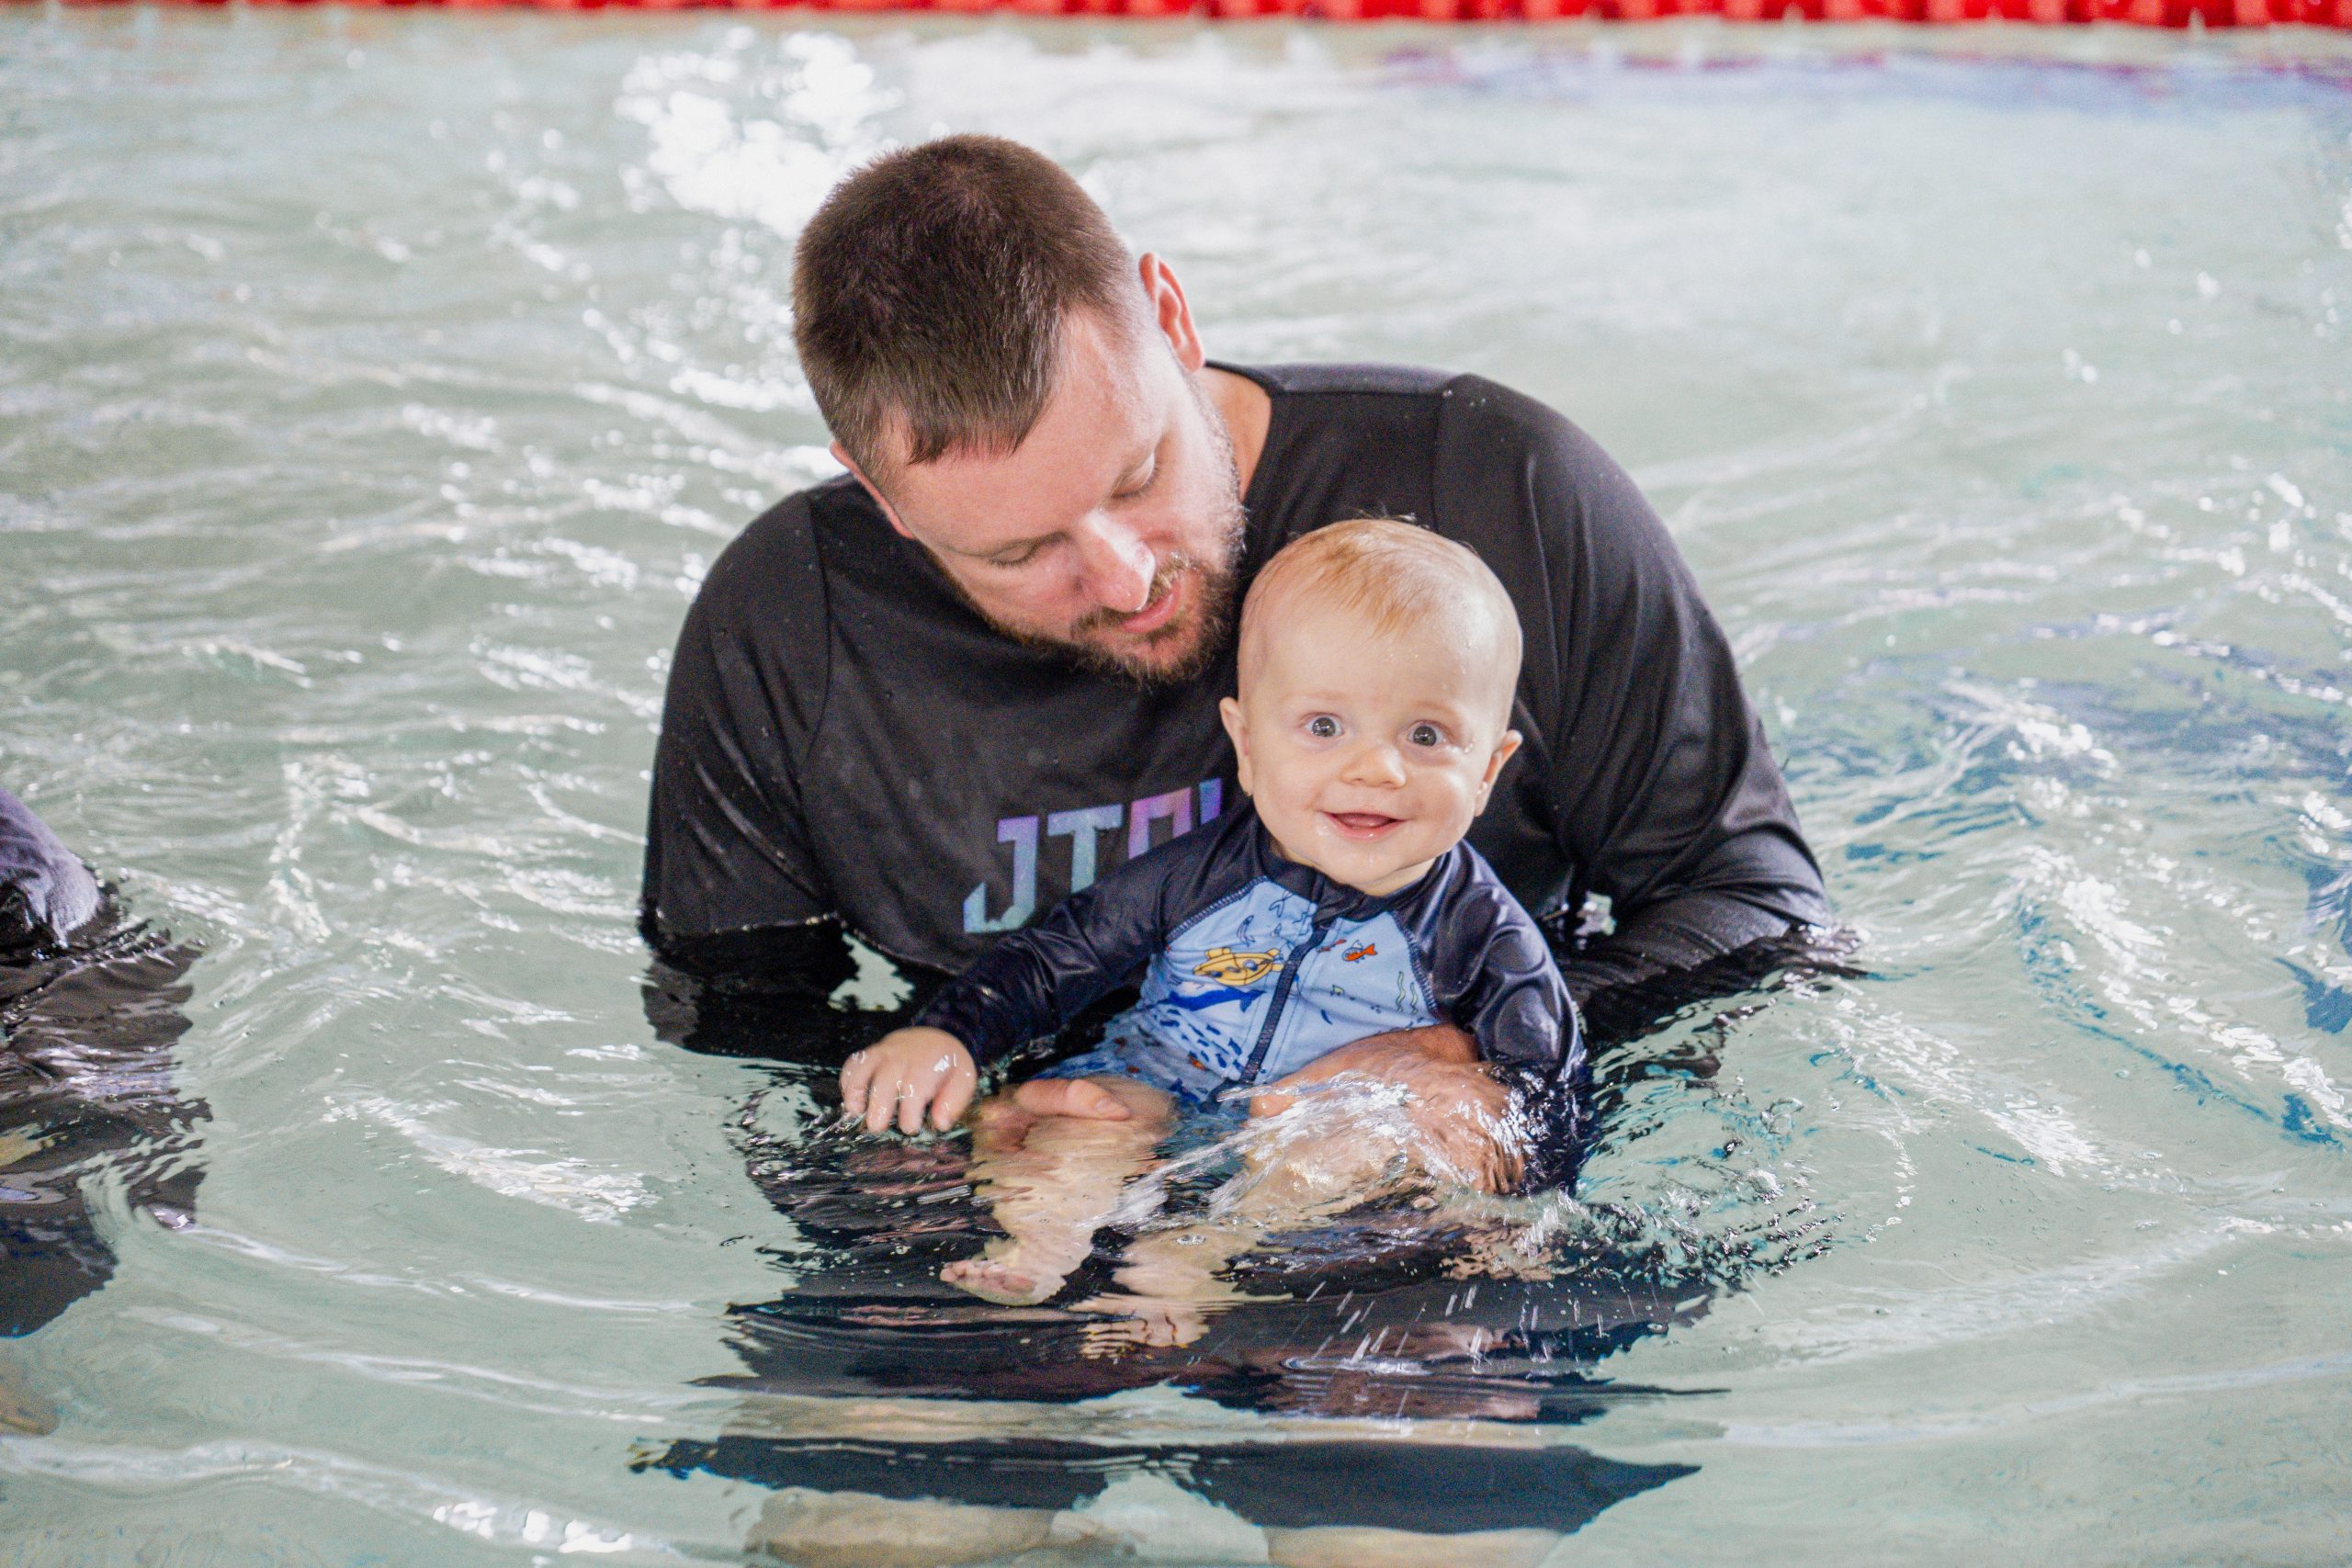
(1365,825)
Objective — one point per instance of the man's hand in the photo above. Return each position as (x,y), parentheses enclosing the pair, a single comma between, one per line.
(914,1070)
(1454,1101)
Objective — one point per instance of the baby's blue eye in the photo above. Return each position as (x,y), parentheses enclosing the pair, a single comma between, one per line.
(1426,734)
(1323,726)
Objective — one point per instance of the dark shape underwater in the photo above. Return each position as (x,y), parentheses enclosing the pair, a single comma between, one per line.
(1358,1344)
(1335,1335)
(1382,1315)
(1421,1487)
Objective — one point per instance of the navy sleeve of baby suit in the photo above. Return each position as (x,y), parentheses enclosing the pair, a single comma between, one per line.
(1037,980)
(1505,987)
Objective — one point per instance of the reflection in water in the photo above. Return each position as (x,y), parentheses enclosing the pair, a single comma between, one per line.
(1279,1482)
(1442,1336)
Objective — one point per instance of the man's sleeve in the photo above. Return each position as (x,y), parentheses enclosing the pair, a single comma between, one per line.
(1664,794)
(731,883)
(1033,982)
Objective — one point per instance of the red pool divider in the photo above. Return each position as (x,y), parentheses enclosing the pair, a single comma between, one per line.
(2141,13)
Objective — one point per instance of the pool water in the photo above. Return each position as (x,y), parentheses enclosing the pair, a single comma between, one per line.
(376,387)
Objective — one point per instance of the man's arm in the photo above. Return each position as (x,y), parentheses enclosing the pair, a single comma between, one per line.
(1665,796)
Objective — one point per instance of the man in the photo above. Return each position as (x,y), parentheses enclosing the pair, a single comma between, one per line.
(925,700)
(90,1009)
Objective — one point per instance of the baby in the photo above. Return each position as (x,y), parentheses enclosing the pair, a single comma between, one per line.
(1376,667)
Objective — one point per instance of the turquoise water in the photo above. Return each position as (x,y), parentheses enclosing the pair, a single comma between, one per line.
(375,389)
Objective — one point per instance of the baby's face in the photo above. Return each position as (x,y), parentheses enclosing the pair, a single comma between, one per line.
(1368,755)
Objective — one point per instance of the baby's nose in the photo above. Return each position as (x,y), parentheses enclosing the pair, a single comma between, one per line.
(1377,763)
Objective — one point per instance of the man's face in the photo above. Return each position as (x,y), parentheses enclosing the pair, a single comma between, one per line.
(1114,527)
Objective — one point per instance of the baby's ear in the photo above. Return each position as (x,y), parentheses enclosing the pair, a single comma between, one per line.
(1236,728)
(1503,749)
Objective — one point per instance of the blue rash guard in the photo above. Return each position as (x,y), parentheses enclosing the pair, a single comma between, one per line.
(1255,965)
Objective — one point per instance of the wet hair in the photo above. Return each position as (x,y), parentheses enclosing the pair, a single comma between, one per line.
(930,289)
(1399,579)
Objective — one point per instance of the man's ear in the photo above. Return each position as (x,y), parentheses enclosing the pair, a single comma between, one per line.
(843,459)
(1165,298)
(1503,749)
(1237,727)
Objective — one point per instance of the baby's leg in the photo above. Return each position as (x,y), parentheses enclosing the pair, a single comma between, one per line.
(1050,1164)
(1170,1279)
(1169,1285)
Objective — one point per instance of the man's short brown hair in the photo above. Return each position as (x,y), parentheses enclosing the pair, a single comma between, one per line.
(929,291)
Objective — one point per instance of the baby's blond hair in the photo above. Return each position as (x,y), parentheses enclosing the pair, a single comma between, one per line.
(1399,578)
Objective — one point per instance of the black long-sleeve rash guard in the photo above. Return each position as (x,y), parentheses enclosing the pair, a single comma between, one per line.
(1255,966)
(847,743)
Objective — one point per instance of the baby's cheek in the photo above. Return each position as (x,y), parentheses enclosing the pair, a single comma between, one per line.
(1457,802)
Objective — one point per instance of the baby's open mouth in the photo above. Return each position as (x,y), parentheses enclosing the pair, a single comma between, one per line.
(1361,824)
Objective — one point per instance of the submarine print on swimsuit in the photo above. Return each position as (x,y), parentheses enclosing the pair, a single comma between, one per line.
(1228,967)
(1251,987)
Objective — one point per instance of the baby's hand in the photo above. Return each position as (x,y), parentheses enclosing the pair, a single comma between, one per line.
(913,1069)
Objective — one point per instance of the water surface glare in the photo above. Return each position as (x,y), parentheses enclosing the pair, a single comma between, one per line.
(376,387)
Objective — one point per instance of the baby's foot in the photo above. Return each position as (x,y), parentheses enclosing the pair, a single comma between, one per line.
(1005,1281)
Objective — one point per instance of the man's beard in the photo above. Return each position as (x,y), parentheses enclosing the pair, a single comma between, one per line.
(1212,610)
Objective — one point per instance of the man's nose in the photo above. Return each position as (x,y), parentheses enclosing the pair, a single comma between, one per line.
(1116,566)
(1375,762)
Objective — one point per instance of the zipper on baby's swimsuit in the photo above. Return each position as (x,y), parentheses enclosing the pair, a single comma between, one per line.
(1282,994)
